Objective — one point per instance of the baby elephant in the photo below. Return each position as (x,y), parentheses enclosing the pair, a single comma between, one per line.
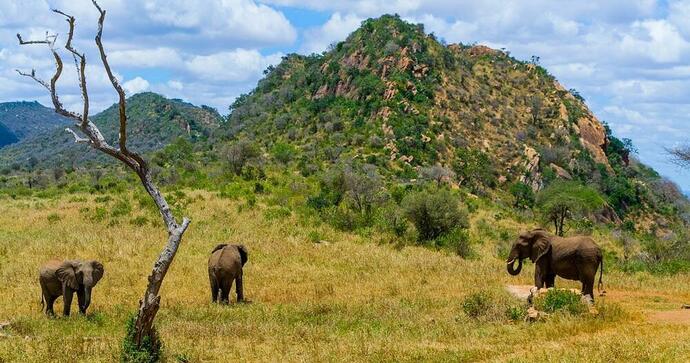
(224,267)
(66,277)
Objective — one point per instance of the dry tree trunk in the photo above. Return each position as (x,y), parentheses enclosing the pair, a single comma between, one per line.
(148,306)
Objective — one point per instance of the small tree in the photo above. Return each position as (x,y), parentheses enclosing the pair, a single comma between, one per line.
(438,174)
(523,194)
(143,334)
(238,154)
(564,200)
(434,213)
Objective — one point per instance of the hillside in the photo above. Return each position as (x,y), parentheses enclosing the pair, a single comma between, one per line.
(27,119)
(6,136)
(154,122)
(393,97)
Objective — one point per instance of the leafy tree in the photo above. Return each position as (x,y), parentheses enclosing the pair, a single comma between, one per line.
(474,169)
(434,213)
(564,200)
(238,154)
(283,152)
(523,194)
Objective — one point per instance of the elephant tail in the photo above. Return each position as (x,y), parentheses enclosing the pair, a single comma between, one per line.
(43,305)
(600,286)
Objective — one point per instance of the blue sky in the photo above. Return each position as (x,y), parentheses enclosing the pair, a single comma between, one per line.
(630,59)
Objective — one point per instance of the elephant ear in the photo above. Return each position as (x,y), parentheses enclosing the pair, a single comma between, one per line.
(244,255)
(219,247)
(541,247)
(67,275)
(97,271)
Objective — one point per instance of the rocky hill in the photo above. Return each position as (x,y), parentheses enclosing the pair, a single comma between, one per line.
(154,122)
(394,97)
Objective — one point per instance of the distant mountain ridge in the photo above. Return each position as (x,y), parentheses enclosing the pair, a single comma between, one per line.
(154,121)
(6,136)
(25,119)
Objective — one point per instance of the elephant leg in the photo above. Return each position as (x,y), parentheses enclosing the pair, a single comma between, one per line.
(67,299)
(238,287)
(587,275)
(550,280)
(538,276)
(214,288)
(50,300)
(225,288)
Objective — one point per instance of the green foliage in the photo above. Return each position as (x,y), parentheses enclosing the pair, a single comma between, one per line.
(149,351)
(283,152)
(564,200)
(54,217)
(560,300)
(434,212)
(474,169)
(477,304)
(516,312)
(523,194)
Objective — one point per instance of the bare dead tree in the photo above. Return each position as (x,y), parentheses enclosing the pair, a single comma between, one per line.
(148,306)
(680,155)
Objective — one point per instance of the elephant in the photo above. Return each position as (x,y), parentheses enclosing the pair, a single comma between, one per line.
(65,278)
(224,267)
(573,258)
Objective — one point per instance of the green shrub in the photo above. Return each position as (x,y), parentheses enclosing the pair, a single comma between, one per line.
(560,300)
(121,208)
(53,217)
(516,312)
(277,213)
(139,221)
(434,213)
(458,241)
(392,219)
(150,351)
(477,304)
(523,194)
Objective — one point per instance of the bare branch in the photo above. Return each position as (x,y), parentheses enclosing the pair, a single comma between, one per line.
(78,139)
(49,40)
(680,155)
(113,80)
(81,68)
(32,75)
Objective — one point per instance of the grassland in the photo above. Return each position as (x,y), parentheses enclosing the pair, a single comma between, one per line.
(346,298)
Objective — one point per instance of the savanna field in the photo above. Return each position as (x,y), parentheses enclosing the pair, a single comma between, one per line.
(316,294)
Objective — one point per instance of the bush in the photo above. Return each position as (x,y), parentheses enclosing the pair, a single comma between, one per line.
(560,300)
(523,194)
(53,217)
(477,304)
(150,351)
(458,241)
(434,213)
(516,312)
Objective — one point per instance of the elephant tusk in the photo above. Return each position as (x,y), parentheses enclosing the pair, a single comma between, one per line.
(510,262)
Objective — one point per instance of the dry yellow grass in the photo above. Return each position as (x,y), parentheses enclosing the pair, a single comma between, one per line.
(351,299)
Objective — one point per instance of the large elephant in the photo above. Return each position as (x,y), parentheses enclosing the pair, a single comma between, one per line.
(224,267)
(64,278)
(573,258)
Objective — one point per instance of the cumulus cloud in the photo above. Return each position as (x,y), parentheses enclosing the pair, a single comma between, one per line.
(136,85)
(236,66)
(335,29)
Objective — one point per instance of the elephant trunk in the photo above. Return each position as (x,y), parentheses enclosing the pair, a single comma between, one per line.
(511,267)
(510,263)
(87,300)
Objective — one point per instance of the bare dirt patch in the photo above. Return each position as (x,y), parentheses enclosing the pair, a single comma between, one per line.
(519,291)
(680,316)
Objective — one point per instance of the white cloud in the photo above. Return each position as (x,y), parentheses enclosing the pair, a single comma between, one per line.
(656,39)
(146,58)
(235,66)
(335,29)
(136,85)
